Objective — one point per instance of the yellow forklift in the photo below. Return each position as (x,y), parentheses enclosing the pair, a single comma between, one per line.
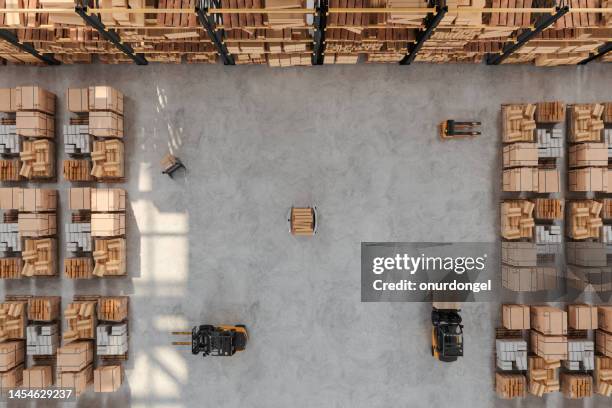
(446,334)
(212,340)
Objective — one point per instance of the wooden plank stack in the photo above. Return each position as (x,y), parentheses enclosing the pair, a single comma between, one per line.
(576,386)
(509,386)
(109,257)
(603,375)
(44,308)
(548,209)
(302,221)
(78,268)
(584,220)
(39,257)
(113,308)
(586,124)
(81,321)
(517,219)
(518,123)
(12,320)
(550,112)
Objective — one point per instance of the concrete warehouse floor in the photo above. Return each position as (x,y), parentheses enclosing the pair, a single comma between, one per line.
(359,142)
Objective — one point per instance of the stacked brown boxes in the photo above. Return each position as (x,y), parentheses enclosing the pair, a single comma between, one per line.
(38,376)
(75,365)
(12,358)
(108,207)
(35,124)
(603,336)
(9,163)
(105,106)
(549,343)
(515,319)
(108,378)
(589,163)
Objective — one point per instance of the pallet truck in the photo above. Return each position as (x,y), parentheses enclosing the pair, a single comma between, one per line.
(451,129)
(446,334)
(212,340)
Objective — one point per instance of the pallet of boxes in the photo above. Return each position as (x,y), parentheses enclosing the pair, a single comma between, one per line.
(511,352)
(588,152)
(94,137)
(112,342)
(586,255)
(603,344)
(27,134)
(27,232)
(43,333)
(10,142)
(12,343)
(548,343)
(577,375)
(96,234)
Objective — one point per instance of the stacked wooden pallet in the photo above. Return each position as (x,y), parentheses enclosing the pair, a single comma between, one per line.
(603,375)
(302,221)
(548,209)
(518,123)
(10,268)
(109,257)
(586,124)
(509,386)
(114,309)
(44,308)
(39,257)
(12,320)
(550,112)
(576,386)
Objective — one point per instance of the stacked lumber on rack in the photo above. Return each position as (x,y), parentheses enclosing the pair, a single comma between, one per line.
(243,21)
(413,19)
(571,20)
(518,19)
(584,220)
(81,321)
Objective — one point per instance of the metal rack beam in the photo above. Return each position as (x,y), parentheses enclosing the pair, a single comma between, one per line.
(431,22)
(110,35)
(601,51)
(526,36)
(320,25)
(216,35)
(25,47)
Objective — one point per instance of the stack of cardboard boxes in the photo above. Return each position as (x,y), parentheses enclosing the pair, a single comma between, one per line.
(510,379)
(12,357)
(603,345)
(30,230)
(101,215)
(75,365)
(43,327)
(112,336)
(96,133)
(35,124)
(10,142)
(589,167)
(549,342)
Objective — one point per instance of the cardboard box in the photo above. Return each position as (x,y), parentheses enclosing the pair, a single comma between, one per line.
(37,199)
(521,179)
(582,317)
(520,155)
(11,354)
(34,98)
(604,317)
(80,198)
(35,124)
(549,347)
(75,356)
(105,98)
(549,320)
(107,199)
(107,225)
(589,179)
(105,124)
(78,100)
(78,380)
(8,100)
(12,378)
(9,198)
(515,317)
(603,343)
(38,377)
(588,154)
(37,225)
(107,378)
(549,181)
